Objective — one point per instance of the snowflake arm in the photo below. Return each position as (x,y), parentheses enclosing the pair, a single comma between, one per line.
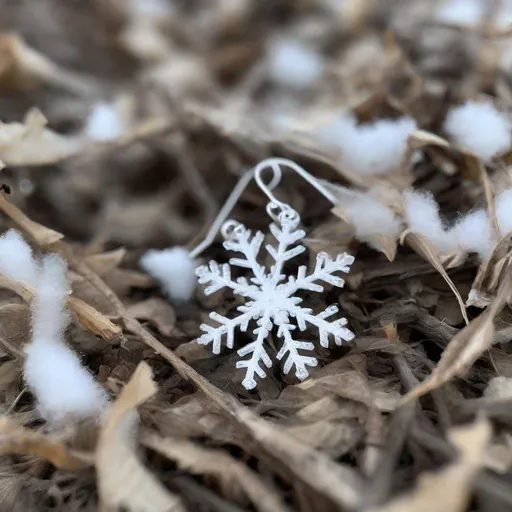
(292,347)
(325,267)
(259,354)
(286,236)
(335,329)
(226,328)
(250,248)
(218,277)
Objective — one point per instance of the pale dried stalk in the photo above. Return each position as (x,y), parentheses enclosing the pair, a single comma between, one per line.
(90,318)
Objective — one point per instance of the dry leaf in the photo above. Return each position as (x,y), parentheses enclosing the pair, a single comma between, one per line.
(104,263)
(157,311)
(490,274)
(334,438)
(444,154)
(17,439)
(31,143)
(203,461)
(466,347)
(123,481)
(449,489)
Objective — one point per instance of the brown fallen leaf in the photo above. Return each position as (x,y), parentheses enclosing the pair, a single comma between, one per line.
(467,345)
(191,351)
(204,461)
(449,489)
(15,438)
(158,311)
(32,143)
(447,156)
(105,262)
(490,274)
(334,438)
(123,482)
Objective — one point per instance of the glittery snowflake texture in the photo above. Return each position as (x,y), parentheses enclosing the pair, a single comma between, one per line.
(271,300)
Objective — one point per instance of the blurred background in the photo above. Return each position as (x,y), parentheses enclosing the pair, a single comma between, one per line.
(154,107)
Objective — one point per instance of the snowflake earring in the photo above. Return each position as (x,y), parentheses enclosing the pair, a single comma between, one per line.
(271,295)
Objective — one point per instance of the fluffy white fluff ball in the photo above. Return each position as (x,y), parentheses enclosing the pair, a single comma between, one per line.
(16,259)
(155,8)
(294,64)
(371,218)
(104,123)
(474,233)
(373,148)
(174,269)
(422,216)
(63,388)
(480,128)
(461,12)
(49,313)
(504,212)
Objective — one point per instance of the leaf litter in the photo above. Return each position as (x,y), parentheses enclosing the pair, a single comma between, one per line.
(414,413)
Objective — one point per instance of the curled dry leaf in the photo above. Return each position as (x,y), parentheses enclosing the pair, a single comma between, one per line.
(443,154)
(424,249)
(158,312)
(203,461)
(123,481)
(450,488)
(491,273)
(17,439)
(467,345)
(32,143)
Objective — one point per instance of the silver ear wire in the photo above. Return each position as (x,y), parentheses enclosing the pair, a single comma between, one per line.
(224,212)
(275,164)
(269,163)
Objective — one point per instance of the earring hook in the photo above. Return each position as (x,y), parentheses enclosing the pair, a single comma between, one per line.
(275,164)
(256,173)
(224,212)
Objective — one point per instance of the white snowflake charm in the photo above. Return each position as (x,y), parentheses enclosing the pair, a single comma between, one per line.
(271,297)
